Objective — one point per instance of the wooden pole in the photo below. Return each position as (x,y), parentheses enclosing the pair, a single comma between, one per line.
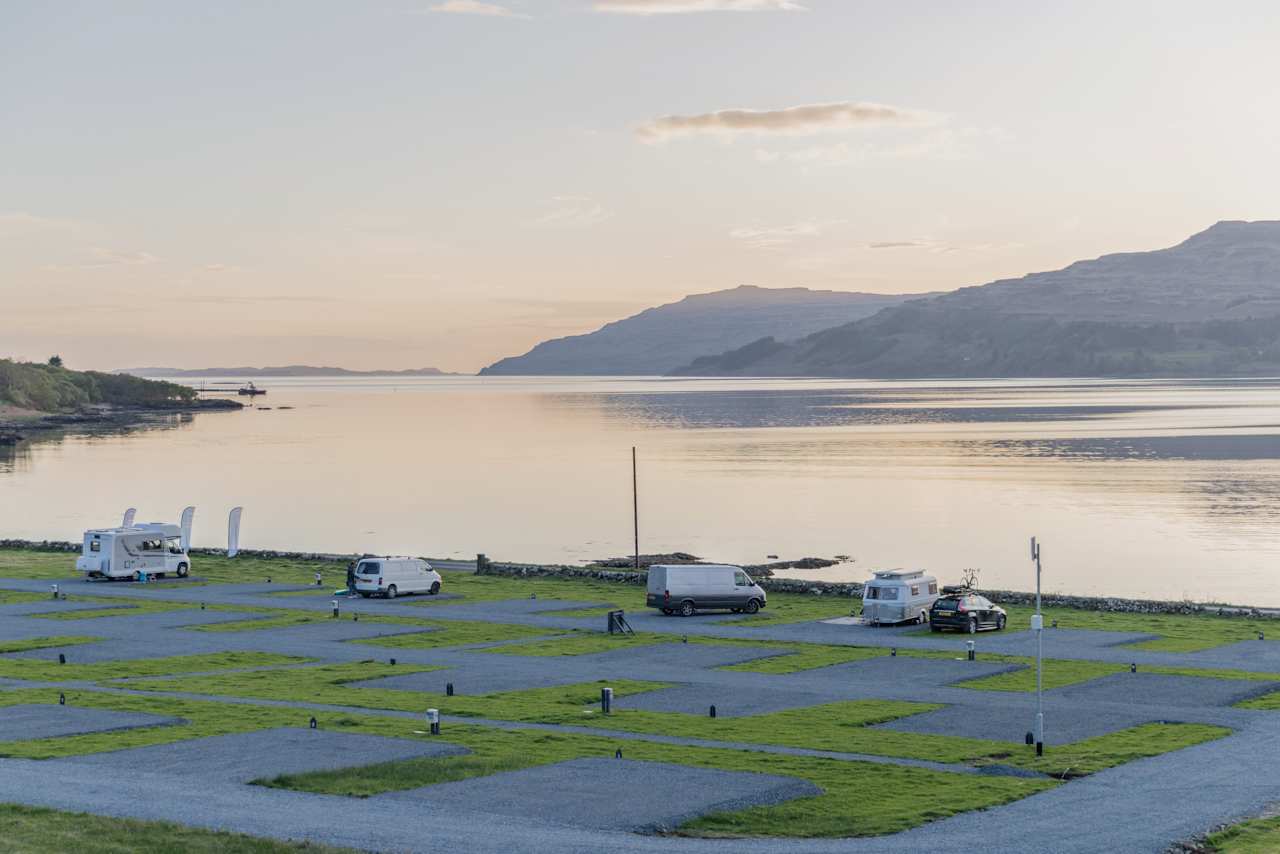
(635,506)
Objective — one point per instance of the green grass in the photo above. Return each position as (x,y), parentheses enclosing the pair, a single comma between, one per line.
(112,607)
(20,597)
(1176,632)
(1116,748)
(32,830)
(1259,836)
(1059,673)
(41,670)
(29,644)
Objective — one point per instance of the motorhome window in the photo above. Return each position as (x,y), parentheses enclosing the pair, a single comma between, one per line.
(740,579)
(888,593)
(369,568)
(175,546)
(933,588)
(95,545)
(150,546)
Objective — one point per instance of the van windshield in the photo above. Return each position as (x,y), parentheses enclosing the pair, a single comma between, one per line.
(369,568)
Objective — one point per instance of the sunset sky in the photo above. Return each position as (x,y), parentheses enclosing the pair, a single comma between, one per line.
(404,184)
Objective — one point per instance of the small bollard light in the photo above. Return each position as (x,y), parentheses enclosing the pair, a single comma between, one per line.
(448,689)
(62,658)
(684,639)
(393,662)
(355,618)
(973,653)
(268,579)
(617,754)
(201,606)
(313,723)
(1054,624)
(1261,636)
(53,588)
(533,595)
(893,652)
(1039,748)
(606,700)
(1133,668)
(433,718)
(319,580)
(62,699)
(1031,738)
(334,605)
(712,712)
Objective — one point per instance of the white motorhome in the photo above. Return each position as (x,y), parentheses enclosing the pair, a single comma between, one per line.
(898,596)
(393,576)
(686,588)
(153,549)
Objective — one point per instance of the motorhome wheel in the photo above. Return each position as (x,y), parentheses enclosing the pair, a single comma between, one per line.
(182,570)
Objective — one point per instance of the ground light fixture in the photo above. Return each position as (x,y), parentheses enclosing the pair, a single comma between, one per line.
(606,700)
(1037,626)
(433,718)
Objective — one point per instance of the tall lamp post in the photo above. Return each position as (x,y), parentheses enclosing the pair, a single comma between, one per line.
(1037,625)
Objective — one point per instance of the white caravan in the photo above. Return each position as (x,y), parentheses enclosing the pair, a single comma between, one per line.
(151,548)
(898,596)
(392,576)
(686,588)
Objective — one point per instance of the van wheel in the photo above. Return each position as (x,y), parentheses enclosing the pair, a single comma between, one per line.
(668,611)
(753,606)
(686,608)
(182,570)
(391,592)
(435,588)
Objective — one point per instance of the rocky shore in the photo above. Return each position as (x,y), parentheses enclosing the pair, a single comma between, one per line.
(15,430)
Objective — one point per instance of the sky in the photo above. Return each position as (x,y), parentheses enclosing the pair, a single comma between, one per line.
(446,182)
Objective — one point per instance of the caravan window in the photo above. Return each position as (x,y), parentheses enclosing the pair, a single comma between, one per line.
(888,593)
(872,593)
(915,590)
(95,545)
(933,588)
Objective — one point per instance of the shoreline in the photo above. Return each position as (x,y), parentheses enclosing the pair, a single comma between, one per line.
(796,586)
(41,424)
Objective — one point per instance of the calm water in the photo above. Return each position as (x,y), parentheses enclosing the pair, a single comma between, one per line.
(1168,489)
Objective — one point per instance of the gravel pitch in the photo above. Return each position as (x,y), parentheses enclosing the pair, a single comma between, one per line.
(242,757)
(1012,722)
(614,794)
(19,723)
(1158,690)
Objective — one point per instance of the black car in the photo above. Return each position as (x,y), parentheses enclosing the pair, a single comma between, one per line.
(967,612)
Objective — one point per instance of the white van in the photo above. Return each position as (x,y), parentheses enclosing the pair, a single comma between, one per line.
(393,576)
(693,587)
(150,548)
(898,596)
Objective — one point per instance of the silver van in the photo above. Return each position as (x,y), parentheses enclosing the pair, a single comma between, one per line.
(898,596)
(686,588)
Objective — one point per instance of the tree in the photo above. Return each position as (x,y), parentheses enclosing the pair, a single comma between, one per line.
(55,361)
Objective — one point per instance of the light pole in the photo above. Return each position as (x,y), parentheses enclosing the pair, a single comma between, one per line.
(1037,625)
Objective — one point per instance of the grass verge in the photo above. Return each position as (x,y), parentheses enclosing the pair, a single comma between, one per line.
(1259,836)
(41,670)
(33,830)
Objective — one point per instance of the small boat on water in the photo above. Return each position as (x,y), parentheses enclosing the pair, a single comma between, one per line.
(251,390)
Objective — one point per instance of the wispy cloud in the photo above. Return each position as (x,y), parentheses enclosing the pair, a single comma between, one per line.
(573,212)
(681,7)
(475,7)
(771,237)
(101,258)
(800,120)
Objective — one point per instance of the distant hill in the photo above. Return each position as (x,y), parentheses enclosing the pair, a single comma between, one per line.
(280,371)
(660,339)
(1208,306)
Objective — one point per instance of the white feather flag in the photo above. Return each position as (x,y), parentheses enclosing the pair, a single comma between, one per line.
(233,532)
(127,522)
(188,515)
